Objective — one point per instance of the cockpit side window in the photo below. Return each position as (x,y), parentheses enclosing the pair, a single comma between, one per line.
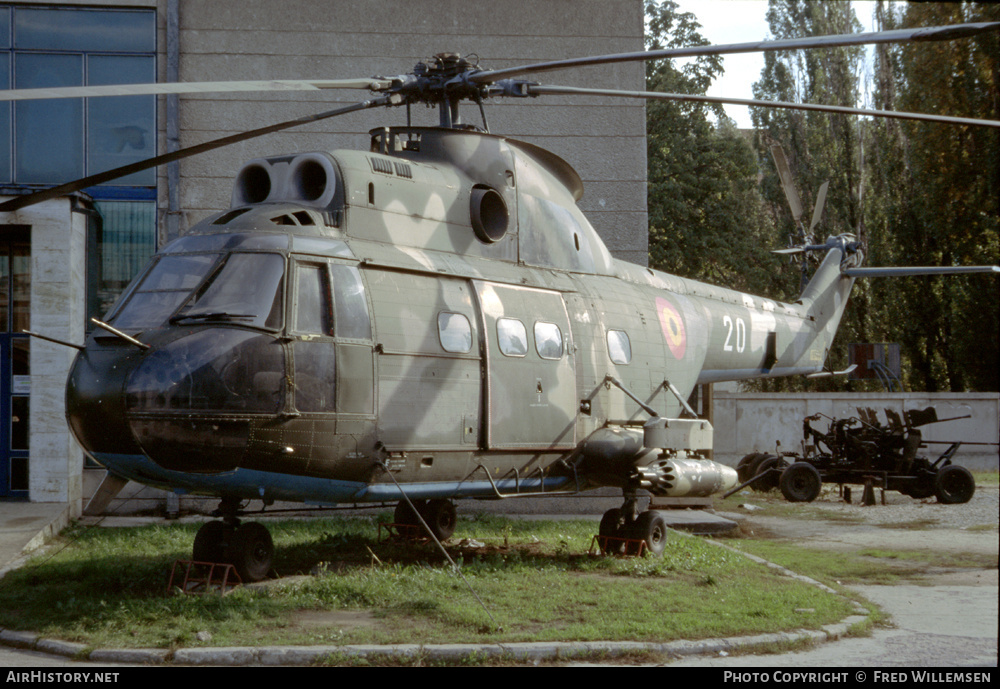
(313,309)
(351,308)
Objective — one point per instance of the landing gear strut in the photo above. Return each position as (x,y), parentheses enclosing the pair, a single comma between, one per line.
(248,547)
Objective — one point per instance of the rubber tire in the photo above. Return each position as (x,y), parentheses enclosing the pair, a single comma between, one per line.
(404,515)
(954,485)
(651,528)
(745,465)
(441,517)
(800,482)
(251,551)
(210,542)
(769,482)
(611,526)
(923,487)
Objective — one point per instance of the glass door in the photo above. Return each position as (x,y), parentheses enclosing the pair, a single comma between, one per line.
(15,348)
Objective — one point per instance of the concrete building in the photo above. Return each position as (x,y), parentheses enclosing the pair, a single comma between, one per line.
(67,259)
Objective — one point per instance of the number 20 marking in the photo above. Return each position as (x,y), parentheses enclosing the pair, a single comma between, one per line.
(741,334)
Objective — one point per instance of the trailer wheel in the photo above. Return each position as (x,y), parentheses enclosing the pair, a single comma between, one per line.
(769,480)
(745,466)
(923,487)
(954,485)
(800,482)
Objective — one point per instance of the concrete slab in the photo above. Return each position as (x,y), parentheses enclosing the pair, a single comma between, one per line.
(699,522)
(24,526)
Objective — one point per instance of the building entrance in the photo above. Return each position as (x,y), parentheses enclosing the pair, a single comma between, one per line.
(15,373)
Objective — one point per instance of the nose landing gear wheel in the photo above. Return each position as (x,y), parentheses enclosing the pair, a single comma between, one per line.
(440,517)
(251,551)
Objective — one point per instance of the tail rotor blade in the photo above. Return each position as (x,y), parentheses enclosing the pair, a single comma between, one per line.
(820,202)
(787,183)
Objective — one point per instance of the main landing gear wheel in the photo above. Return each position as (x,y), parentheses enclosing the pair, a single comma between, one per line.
(611,527)
(251,551)
(800,482)
(954,485)
(651,528)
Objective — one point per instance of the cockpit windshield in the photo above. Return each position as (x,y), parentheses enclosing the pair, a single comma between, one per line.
(243,288)
(247,289)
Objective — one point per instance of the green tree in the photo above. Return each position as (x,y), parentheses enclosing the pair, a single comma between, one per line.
(705,216)
(936,198)
(820,147)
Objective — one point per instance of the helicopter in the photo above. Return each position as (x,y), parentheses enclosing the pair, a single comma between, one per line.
(427,320)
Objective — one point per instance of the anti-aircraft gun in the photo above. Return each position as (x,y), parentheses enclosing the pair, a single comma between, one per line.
(862,451)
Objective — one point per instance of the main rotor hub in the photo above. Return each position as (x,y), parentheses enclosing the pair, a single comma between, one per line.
(446,65)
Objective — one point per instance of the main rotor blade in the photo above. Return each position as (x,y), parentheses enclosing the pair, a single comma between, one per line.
(19,202)
(653,95)
(192,87)
(933,33)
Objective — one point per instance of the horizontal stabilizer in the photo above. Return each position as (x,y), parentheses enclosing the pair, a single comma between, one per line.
(917,270)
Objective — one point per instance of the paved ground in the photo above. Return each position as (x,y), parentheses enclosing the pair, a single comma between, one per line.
(943,618)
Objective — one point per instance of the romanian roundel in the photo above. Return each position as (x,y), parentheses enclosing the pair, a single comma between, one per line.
(673,327)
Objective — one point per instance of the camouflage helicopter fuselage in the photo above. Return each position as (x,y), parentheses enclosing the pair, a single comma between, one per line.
(435,313)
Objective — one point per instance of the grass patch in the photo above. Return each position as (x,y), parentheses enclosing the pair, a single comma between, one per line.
(107,588)
(912,524)
(865,566)
(773,504)
(986,478)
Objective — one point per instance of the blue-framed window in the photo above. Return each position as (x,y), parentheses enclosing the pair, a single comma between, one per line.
(48,142)
(55,141)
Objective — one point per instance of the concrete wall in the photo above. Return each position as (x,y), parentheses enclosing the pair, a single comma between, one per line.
(749,422)
(313,39)
(58,261)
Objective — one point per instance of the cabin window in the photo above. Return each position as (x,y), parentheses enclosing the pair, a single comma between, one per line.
(454,332)
(619,347)
(548,340)
(512,337)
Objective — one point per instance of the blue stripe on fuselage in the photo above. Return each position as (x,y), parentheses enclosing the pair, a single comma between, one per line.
(250,484)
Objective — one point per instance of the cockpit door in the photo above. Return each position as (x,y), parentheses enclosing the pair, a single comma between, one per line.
(531,382)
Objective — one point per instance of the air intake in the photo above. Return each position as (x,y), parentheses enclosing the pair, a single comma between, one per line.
(254,184)
(312,179)
(309,179)
(489,214)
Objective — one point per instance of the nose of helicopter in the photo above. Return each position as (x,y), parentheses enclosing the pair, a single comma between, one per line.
(186,402)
